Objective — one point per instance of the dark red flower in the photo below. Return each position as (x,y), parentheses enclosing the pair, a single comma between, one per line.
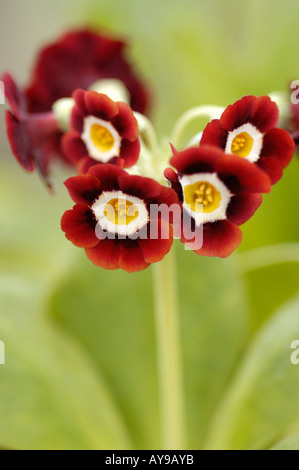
(218,192)
(32,137)
(78,60)
(248,129)
(102,131)
(113,218)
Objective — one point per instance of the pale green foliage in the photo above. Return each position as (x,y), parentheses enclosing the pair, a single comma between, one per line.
(80,342)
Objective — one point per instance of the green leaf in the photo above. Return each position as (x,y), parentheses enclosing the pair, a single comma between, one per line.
(263,402)
(272,277)
(111,314)
(50,396)
(30,216)
(292,443)
(214,328)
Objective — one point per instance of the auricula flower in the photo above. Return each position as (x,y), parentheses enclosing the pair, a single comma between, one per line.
(86,103)
(101,131)
(113,218)
(218,192)
(248,130)
(79,59)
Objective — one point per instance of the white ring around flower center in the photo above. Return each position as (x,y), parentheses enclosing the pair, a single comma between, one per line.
(256,135)
(98,209)
(95,152)
(217,214)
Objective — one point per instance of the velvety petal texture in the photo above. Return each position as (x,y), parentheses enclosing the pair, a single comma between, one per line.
(261,113)
(148,244)
(113,119)
(238,174)
(257,110)
(79,226)
(238,184)
(32,137)
(219,239)
(78,59)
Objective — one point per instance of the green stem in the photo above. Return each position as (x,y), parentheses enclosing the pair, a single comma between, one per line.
(211,112)
(147,130)
(169,355)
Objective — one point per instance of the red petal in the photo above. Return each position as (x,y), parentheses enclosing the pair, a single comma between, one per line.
(125,122)
(242,176)
(295,113)
(77,120)
(173,178)
(278,144)
(214,134)
(79,111)
(43,156)
(272,167)
(266,115)
(238,113)
(167,196)
(100,105)
(79,226)
(243,207)
(197,160)
(74,148)
(85,164)
(83,189)
(19,141)
(79,97)
(131,257)
(219,239)
(105,255)
(259,111)
(130,152)
(14,95)
(154,250)
(139,186)
(108,175)
(77,60)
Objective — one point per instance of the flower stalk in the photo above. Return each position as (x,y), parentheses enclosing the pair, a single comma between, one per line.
(209,111)
(171,388)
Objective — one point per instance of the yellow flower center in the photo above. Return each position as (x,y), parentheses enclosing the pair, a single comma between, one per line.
(102,138)
(120,211)
(202,193)
(242,145)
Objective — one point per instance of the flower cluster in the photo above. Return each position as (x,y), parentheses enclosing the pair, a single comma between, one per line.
(89,108)
(79,59)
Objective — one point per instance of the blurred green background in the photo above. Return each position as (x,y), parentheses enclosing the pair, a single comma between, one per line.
(80,342)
